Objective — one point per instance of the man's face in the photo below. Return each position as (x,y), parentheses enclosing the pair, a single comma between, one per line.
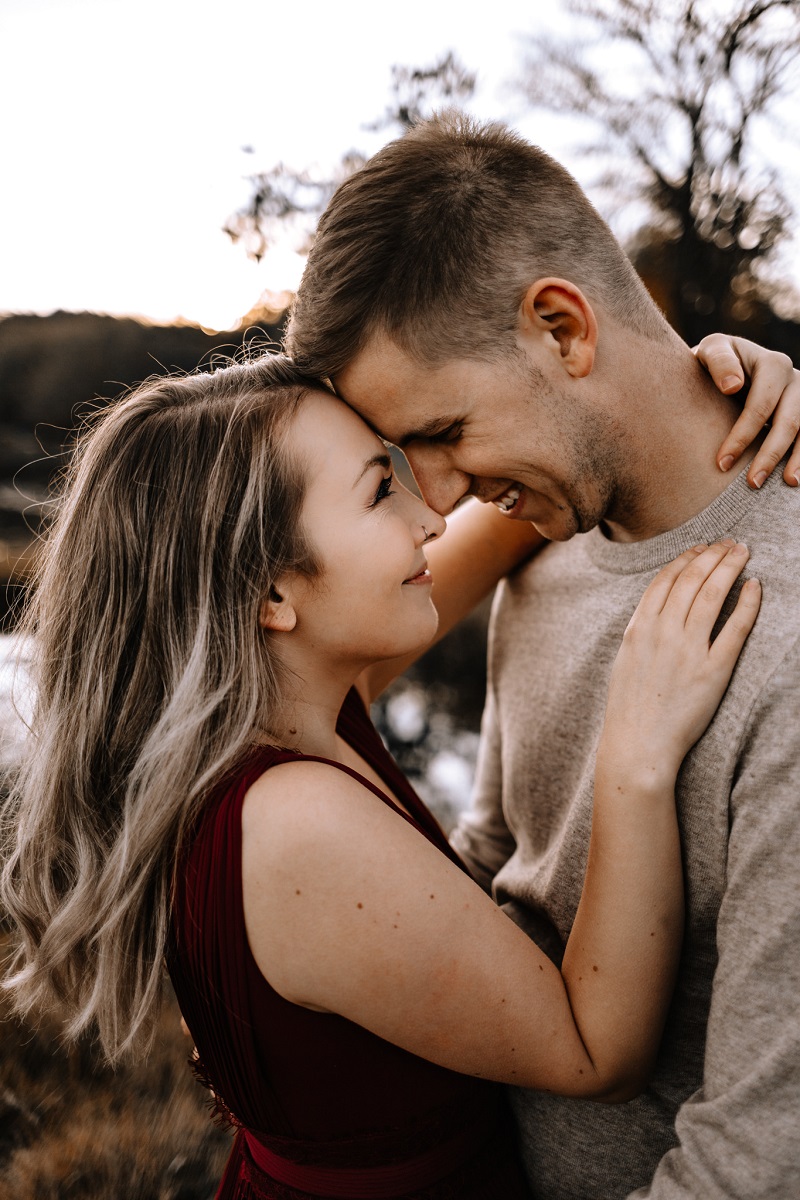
(516,432)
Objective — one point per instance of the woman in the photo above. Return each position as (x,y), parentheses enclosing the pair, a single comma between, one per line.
(233,576)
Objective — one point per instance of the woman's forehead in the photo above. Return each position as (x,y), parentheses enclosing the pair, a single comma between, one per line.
(328,430)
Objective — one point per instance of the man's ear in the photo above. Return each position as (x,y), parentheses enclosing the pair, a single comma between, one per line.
(277,611)
(558,312)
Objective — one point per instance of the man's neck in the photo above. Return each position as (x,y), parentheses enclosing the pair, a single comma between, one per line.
(670,471)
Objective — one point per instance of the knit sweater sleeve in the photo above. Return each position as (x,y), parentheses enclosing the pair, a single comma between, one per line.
(482,837)
(738,1133)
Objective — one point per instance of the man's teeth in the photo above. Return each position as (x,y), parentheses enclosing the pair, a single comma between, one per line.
(507,501)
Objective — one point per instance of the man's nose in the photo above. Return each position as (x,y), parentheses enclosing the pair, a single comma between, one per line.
(441,484)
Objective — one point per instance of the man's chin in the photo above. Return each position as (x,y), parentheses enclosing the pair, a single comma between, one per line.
(555,533)
(556,523)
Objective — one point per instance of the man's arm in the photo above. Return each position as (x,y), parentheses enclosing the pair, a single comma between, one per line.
(479,547)
(482,837)
(739,1133)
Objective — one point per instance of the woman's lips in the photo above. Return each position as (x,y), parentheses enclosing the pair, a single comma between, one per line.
(422,577)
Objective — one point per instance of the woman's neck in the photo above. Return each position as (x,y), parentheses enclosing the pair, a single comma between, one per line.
(307,717)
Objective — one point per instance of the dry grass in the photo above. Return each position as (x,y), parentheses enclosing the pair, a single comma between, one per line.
(73,1129)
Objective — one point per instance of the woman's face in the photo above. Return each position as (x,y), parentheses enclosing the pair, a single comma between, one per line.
(372,597)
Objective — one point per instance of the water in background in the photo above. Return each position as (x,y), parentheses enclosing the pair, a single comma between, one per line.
(15,699)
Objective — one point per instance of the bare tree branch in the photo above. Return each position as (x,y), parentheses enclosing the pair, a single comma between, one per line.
(686,117)
(284,196)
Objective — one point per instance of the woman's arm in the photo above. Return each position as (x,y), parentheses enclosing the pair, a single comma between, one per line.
(478,549)
(350,910)
(774,394)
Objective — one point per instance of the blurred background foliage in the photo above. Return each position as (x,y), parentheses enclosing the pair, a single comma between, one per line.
(675,136)
(71,1128)
(679,131)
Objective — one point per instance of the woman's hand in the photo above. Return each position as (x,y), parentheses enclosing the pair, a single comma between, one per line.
(774,393)
(669,677)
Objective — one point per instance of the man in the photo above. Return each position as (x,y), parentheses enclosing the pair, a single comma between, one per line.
(468,301)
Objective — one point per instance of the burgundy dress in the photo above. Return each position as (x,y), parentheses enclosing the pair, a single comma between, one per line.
(322,1106)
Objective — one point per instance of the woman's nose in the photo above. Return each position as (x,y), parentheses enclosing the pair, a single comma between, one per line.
(429,523)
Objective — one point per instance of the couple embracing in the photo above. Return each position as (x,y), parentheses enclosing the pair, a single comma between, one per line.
(203,782)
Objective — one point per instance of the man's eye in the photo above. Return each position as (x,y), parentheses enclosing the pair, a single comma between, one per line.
(451,434)
(384,490)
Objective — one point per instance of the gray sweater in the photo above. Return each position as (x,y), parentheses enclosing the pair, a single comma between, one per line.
(721,1118)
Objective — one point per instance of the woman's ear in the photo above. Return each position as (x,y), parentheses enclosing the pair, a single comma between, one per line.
(558,312)
(277,612)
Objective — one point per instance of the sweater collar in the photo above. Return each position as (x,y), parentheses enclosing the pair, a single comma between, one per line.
(716,521)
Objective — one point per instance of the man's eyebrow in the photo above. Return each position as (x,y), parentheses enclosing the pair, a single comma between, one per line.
(377,460)
(427,431)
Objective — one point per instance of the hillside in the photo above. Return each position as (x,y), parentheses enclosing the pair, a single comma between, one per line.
(56,367)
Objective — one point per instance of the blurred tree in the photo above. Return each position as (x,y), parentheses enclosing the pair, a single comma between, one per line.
(681,91)
(285,198)
(417,91)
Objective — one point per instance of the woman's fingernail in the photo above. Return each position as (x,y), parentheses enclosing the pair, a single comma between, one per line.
(729,382)
(759,478)
(700,548)
(797,477)
(726,463)
(739,548)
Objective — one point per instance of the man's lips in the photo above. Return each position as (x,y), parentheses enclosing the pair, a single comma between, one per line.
(508,499)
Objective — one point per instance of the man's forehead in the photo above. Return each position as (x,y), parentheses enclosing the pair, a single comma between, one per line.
(380,368)
(400,398)
(401,422)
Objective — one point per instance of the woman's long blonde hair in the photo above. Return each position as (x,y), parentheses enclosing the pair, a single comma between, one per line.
(152,674)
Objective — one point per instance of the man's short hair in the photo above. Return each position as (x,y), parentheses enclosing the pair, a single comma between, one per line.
(436,240)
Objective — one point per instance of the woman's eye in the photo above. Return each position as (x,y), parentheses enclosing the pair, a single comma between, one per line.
(384,490)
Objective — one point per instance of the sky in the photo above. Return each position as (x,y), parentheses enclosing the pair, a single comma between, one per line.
(125,125)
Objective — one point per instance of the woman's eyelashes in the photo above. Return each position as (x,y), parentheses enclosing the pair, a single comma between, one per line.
(384,489)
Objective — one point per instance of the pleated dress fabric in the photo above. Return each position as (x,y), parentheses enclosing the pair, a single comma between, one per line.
(340,1111)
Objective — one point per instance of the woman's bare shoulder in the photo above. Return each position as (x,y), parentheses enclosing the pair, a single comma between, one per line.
(313,815)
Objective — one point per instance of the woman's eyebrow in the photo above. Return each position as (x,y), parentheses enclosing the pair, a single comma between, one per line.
(377,460)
